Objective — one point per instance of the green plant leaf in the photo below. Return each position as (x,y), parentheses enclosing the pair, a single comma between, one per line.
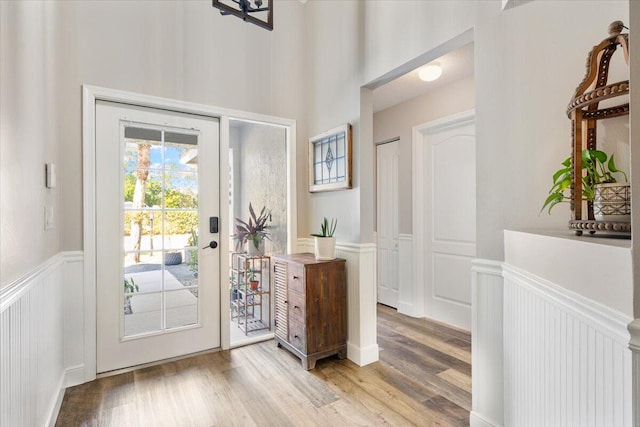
(612,167)
(551,201)
(567,162)
(600,156)
(559,175)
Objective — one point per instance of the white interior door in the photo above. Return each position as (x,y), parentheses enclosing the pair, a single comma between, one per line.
(157,184)
(450,223)
(387,223)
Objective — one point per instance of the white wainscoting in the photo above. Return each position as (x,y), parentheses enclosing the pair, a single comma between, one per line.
(486,343)
(567,360)
(73,319)
(33,341)
(362,347)
(545,355)
(408,302)
(634,345)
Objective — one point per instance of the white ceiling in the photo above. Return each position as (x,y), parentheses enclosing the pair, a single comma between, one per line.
(455,66)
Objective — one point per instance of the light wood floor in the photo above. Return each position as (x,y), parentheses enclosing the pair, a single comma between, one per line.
(423,378)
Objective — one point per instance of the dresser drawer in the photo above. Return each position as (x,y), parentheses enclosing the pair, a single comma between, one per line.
(297,335)
(295,278)
(297,307)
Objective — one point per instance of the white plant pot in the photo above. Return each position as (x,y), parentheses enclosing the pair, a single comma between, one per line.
(325,248)
(252,250)
(612,202)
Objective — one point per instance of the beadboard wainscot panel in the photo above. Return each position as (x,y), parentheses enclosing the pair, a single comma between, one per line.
(73,318)
(486,343)
(32,346)
(634,346)
(566,357)
(362,347)
(408,304)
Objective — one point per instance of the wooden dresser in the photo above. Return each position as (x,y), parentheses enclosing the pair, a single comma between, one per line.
(310,306)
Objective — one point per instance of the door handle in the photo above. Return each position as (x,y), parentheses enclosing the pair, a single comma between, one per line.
(212,244)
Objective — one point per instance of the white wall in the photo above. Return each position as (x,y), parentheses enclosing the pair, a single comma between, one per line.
(525,74)
(175,49)
(634,116)
(29,134)
(397,121)
(334,75)
(262,178)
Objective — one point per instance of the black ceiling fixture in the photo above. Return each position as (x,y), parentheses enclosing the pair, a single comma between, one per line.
(248,10)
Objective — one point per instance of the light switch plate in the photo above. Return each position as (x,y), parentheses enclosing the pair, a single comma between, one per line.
(51,175)
(48,218)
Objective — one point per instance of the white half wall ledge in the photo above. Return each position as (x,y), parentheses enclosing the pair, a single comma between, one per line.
(634,332)
(510,4)
(560,257)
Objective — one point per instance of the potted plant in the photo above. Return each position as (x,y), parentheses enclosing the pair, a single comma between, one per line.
(129,288)
(254,232)
(252,278)
(191,252)
(611,200)
(324,242)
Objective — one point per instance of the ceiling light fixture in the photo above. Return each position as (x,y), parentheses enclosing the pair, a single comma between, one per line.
(244,9)
(430,72)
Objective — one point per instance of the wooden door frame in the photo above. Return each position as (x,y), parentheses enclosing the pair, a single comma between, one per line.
(419,146)
(91,94)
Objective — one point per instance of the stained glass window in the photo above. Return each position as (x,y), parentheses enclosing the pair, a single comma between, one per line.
(330,161)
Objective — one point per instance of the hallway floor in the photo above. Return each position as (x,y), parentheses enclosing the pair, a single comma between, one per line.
(423,378)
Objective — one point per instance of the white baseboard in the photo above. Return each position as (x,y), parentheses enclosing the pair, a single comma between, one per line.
(475,420)
(74,376)
(407,309)
(56,403)
(362,356)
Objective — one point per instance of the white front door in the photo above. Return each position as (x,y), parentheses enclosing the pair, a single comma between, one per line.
(157,184)
(387,223)
(450,220)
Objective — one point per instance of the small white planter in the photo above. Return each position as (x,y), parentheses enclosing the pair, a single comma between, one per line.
(252,250)
(612,202)
(325,248)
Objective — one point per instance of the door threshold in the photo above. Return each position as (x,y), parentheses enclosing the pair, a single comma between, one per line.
(156,363)
(252,340)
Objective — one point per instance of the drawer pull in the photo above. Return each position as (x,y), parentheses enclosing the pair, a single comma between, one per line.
(295,277)
(296,307)
(295,336)
(286,302)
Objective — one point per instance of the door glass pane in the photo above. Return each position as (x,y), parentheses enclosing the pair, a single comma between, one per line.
(160,223)
(142,313)
(182,308)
